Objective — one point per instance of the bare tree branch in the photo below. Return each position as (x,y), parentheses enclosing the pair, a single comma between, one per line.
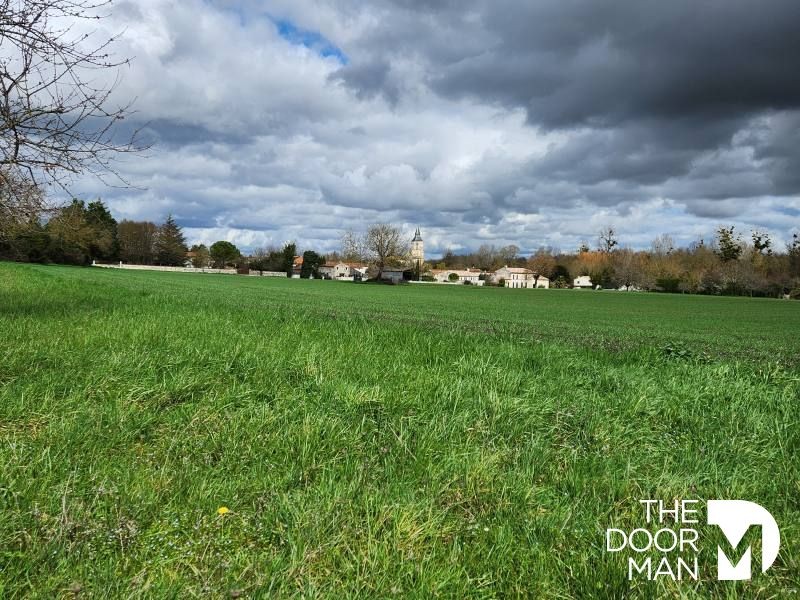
(56,115)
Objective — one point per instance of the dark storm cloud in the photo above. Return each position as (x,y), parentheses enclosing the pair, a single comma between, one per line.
(368,79)
(601,63)
(658,82)
(174,134)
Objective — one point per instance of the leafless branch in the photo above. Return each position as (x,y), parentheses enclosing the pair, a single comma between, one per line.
(56,115)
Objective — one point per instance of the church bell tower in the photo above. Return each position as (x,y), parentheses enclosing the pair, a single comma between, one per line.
(417,251)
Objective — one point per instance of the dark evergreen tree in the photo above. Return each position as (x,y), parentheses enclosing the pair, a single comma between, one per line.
(287,255)
(105,243)
(170,244)
(311,264)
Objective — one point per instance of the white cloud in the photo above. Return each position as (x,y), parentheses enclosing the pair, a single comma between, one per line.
(259,141)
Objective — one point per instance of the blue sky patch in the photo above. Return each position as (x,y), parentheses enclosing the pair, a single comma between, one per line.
(310,39)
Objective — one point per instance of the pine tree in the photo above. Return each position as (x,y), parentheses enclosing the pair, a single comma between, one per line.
(105,245)
(170,244)
(287,255)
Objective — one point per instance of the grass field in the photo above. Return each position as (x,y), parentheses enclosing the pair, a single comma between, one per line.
(377,441)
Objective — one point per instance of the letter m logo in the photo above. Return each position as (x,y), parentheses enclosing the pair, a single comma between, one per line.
(734,518)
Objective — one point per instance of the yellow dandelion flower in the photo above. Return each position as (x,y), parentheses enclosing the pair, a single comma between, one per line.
(223,510)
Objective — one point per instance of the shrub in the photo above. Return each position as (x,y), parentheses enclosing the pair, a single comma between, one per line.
(668,284)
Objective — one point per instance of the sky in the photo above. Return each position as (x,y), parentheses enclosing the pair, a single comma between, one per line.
(526,122)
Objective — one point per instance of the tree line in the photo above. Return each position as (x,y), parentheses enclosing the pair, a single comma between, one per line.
(729,264)
(79,233)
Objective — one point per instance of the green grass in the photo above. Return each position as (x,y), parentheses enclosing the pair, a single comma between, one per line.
(376,441)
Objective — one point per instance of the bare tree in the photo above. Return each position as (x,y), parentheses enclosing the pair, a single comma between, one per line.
(386,246)
(21,203)
(607,239)
(485,257)
(352,246)
(663,245)
(508,254)
(56,82)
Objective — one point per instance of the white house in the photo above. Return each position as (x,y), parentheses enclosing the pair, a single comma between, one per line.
(584,281)
(514,277)
(461,276)
(520,278)
(342,270)
(542,282)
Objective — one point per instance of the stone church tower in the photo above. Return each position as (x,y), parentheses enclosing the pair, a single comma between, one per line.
(417,250)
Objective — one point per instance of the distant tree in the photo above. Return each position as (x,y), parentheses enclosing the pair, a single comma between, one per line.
(137,242)
(449,260)
(604,277)
(560,271)
(287,258)
(729,245)
(793,255)
(762,243)
(485,258)
(170,244)
(352,247)
(105,243)
(201,256)
(508,254)
(630,269)
(663,245)
(71,236)
(386,246)
(259,260)
(542,264)
(607,240)
(311,264)
(583,248)
(224,253)
(559,283)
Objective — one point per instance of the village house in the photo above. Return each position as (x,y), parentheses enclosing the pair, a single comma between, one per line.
(468,276)
(396,274)
(520,278)
(541,282)
(343,271)
(584,281)
(297,266)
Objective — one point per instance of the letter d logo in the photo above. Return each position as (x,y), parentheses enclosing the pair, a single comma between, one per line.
(734,518)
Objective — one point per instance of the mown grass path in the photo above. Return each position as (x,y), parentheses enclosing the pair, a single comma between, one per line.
(376,441)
